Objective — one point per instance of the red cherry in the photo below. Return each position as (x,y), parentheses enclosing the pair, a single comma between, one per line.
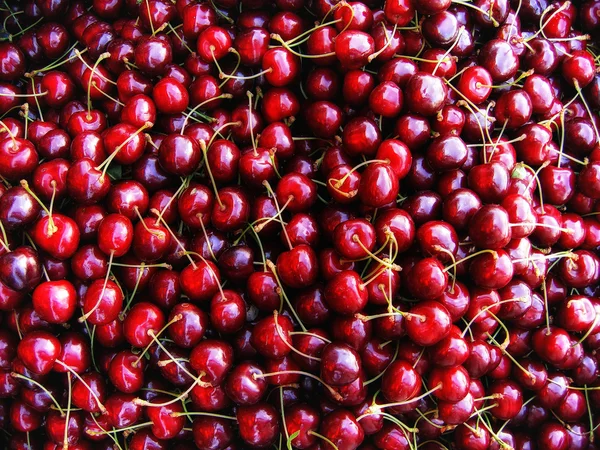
(38,351)
(55,301)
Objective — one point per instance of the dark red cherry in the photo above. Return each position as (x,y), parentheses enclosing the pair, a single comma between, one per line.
(425,94)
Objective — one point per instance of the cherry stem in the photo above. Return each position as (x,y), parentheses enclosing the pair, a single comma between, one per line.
(384,262)
(180,397)
(42,387)
(589,331)
(91,311)
(546,308)
(495,144)
(173,235)
(486,309)
(511,357)
(467,104)
(333,392)
(10,133)
(285,341)
(477,8)
(454,44)
(543,23)
(121,430)
(201,413)
(341,181)
(285,45)
(4,241)
(223,76)
(366,383)
(260,246)
(320,436)
(89,87)
(251,121)
(183,185)
(52,228)
(200,105)
(117,101)
(208,244)
(69,397)
(210,175)
(264,221)
(494,253)
(388,40)
(308,333)
(176,361)
(37,102)
(175,319)
(104,165)
(587,108)
(279,211)
(282,293)
(212,272)
(35,94)
(93,394)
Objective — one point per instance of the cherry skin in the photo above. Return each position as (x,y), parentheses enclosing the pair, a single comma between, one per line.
(126,372)
(378,185)
(244,386)
(38,351)
(115,235)
(400,382)
(425,93)
(55,301)
(179,154)
(297,267)
(166,424)
(151,240)
(428,323)
(258,424)
(346,293)
(170,96)
(20,270)
(102,303)
(428,279)
(340,364)
(271,336)
(212,432)
(341,428)
(142,320)
(153,55)
(227,311)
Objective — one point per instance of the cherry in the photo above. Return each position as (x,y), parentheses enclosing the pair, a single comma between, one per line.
(153,55)
(427,279)
(38,351)
(400,382)
(102,302)
(345,293)
(341,428)
(297,267)
(24,418)
(212,432)
(170,96)
(55,301)
(340,364)
(244,386)
(179,154)
(227,311)
(554,436)
(425,93)
(258,424)
(428,323)
(20,270)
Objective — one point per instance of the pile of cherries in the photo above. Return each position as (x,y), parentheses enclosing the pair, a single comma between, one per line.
(301,224)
